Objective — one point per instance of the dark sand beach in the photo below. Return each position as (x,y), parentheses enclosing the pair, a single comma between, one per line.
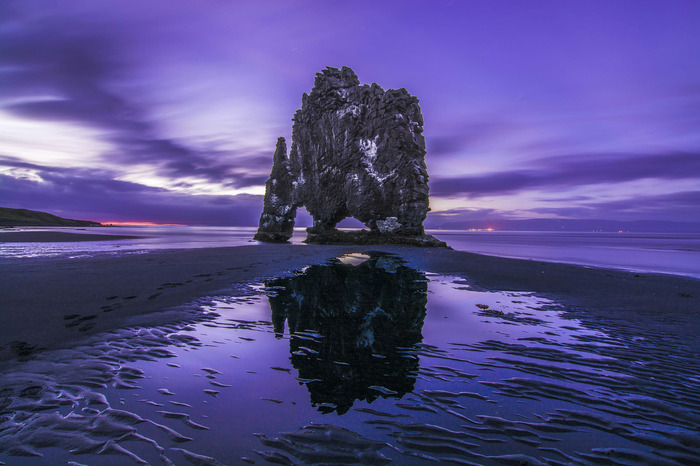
(84,345)
(38,294)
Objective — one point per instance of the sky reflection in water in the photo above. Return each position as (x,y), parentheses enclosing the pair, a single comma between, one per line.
(362,360)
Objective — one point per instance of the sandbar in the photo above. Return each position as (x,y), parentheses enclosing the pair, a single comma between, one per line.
(50,302)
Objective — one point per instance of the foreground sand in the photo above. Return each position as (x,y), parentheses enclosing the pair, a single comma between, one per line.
(48,302)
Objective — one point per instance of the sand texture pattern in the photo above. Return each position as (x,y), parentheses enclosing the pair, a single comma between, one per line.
(46,302)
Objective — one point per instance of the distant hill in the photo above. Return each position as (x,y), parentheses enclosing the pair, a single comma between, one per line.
(571,225)
(24,217)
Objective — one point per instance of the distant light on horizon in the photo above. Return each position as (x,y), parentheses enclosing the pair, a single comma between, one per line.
(139,224)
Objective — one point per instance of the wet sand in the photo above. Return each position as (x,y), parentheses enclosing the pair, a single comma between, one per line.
(454,368)
(48,302)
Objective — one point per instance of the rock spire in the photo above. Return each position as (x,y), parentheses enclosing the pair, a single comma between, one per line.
(357,151)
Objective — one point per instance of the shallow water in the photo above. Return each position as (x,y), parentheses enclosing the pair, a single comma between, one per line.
(673,253)
(148,238)
(363,360)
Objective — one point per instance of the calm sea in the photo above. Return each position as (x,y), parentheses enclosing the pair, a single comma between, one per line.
(673,253)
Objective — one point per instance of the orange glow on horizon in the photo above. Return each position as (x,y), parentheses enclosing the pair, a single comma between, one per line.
(140,224)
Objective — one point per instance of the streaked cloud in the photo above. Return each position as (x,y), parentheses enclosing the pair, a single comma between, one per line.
(677,206)
(541,109)
(87,195)
(555,173)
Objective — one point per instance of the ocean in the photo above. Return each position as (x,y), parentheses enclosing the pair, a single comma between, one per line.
(672,253)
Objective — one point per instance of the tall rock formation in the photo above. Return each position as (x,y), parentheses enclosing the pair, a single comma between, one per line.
(357,151)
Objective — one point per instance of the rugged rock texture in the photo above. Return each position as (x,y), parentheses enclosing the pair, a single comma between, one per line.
(357,151)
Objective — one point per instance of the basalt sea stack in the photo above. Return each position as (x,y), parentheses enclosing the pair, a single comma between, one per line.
(357,151)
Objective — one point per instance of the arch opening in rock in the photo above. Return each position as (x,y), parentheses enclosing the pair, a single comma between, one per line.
(356,151)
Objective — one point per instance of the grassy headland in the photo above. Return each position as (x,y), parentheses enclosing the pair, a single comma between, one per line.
(24,217)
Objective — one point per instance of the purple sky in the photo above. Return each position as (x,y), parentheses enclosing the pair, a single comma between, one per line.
(168,111)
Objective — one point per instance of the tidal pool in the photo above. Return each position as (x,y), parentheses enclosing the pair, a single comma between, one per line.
(362,360)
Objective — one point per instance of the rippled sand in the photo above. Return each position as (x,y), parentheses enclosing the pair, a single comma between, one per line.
(370,359)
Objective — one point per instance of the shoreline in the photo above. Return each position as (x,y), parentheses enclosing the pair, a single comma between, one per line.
(648,259)
(51,301)
(12,236)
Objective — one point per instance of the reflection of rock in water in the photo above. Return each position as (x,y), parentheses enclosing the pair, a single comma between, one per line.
(353,328)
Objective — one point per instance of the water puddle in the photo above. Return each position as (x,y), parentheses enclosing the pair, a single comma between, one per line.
(363,360)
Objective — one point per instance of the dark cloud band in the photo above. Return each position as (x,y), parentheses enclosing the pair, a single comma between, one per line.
(571,171)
